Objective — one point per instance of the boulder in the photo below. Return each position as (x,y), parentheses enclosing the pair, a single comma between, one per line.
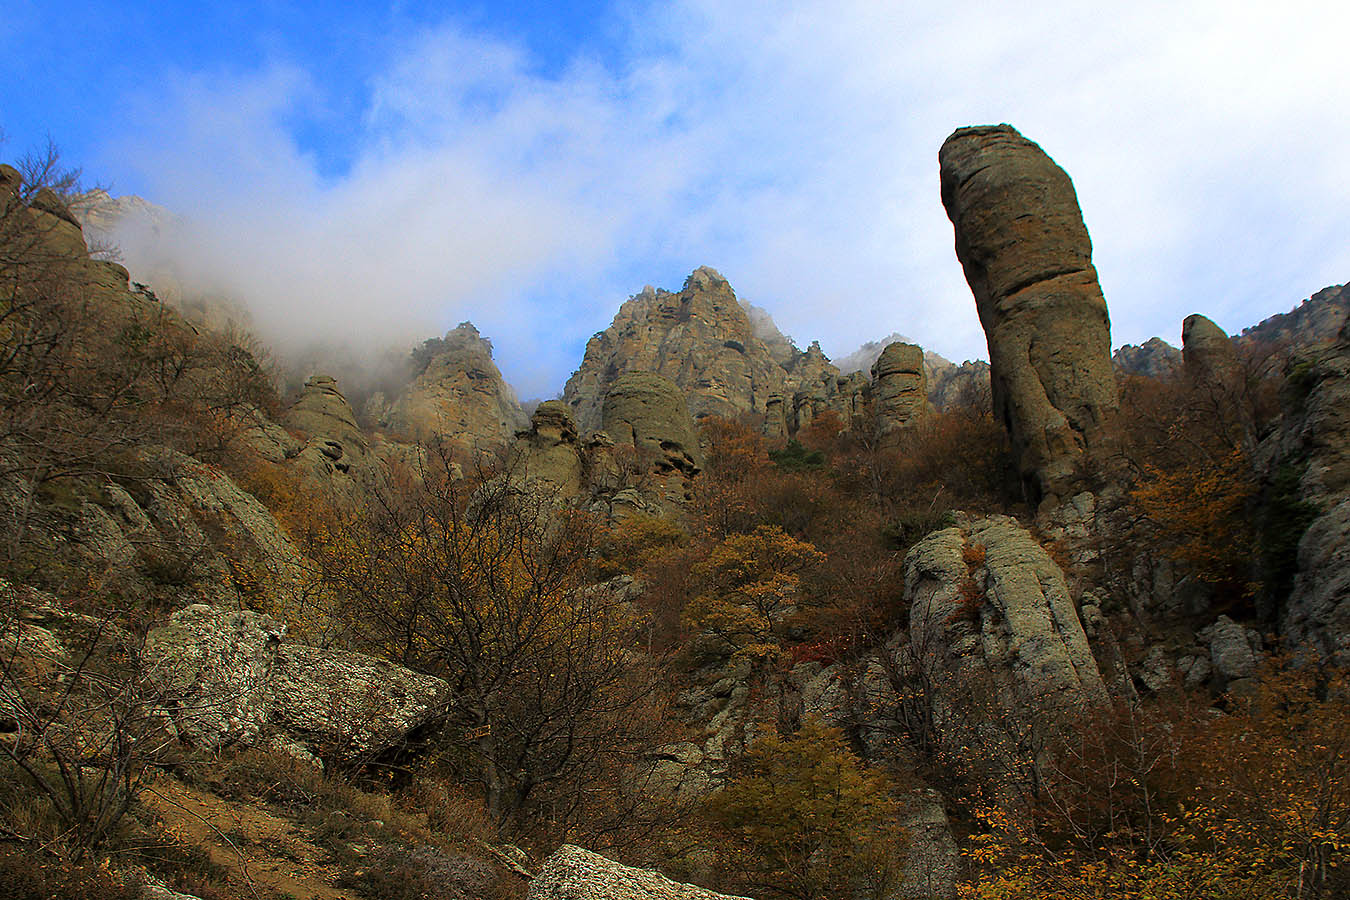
(348,704)
(572,873)
(231,677)
(1230,649)
(214,666)
(1028,259)
(899,388)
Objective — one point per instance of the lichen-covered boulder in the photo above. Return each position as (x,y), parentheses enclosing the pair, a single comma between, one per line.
(572,873)
(231,677)
(213,667)
(348,704)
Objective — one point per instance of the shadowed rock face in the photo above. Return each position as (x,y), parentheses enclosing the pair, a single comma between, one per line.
(1209,354)
(1028,259)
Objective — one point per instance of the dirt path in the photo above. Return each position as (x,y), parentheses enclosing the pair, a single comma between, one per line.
(258,848)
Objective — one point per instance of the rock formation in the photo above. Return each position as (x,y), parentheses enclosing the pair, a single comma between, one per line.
(1028,259)
(1314,322)
(332,454)
(572,873)
(996,633)
(724,355)
(550,453)
(899,388)
(1208,354)
(648,412)
(458,393)
(1314,443)
(1155,358)
(234,678)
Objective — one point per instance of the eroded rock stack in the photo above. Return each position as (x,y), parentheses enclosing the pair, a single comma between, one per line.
(899,388)
(995,631)
(550,454)
(1028,259)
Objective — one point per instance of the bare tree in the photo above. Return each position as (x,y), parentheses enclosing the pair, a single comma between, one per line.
(484,582)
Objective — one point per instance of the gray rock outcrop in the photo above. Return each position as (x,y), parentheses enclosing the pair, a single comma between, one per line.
(1209,355)
(458,393)
(648,413)
(1155,358)
(899,388)
(335,455)
(1028,259)
(994,629)
(572,873)
(550,453)
(725,356)
(232,678)
(1314,441)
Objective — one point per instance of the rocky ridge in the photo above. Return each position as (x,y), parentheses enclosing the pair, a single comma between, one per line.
(704,341)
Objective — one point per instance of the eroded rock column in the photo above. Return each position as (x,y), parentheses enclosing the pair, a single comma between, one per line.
(1028,259)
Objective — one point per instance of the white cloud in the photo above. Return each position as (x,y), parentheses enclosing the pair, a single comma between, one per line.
(794,147)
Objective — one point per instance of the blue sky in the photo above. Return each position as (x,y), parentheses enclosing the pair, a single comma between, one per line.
(379,172)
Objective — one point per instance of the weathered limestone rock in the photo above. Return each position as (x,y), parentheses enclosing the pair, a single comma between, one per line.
(550,453)
(215,665)
(1314,441)
(932,859)
(323,412)
(572,873)
(994,627)
(459,393)
(335,456)
(1155,358)
(1028,259)
(233,678)
(1209,355)
(348,704)
(899,388)
(725,356)
(1230,649)
(647,412)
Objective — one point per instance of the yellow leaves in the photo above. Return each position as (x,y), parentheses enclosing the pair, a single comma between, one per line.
(753,581)
(1200,509)
(803,812)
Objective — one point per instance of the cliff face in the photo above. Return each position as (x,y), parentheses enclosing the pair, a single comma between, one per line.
(724,355)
